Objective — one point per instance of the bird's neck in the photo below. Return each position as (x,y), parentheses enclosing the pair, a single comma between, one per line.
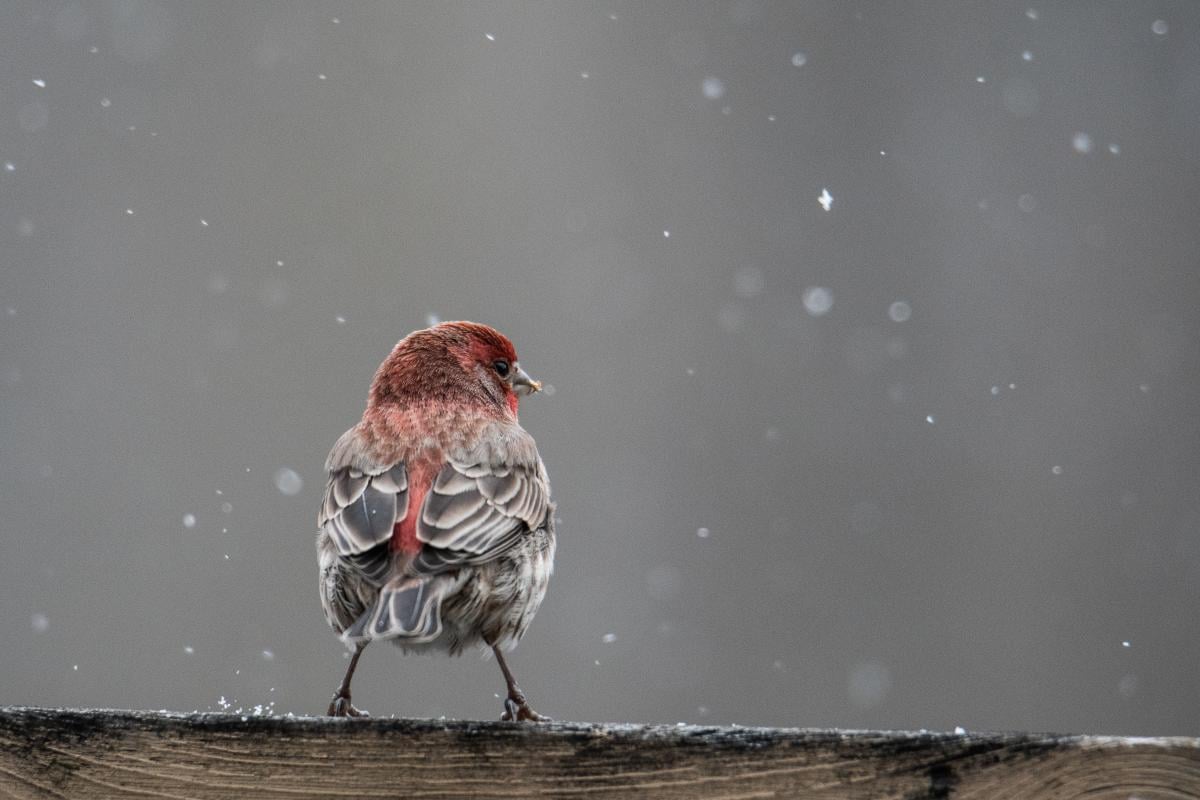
(427,429)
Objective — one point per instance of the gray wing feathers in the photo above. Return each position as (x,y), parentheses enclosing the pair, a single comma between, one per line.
(360,510)
(475,512)
(363,502)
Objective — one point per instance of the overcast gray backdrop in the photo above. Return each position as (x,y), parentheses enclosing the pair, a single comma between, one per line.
(925,458)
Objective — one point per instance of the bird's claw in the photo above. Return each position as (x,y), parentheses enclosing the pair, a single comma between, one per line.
(520,711)
(340,706)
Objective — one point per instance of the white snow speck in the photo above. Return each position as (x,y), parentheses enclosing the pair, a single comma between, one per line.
(690,370)
(899,311)
(663,582)
(980,79)
(38,82)
(288,481)
(995,390)
(731,316)
(1081,142)
(868,684)
(825,199)
(584,75)
(279,263)
(129,211)
(930,419)
(666,234)
(1126,644)
(227,508)
(321,76)
(1032,13)
(748,282)
(1027,55)
(187,648)
(817,300)
(432,319)
(10,166)
(703,533)
(1056,469)
(1012,386)
(770,117)
(713,88)
(189,520)
(490,37)
(340,319)
(1115,149)
(75,667)
(608,638)
(268,655)
(40,623)
(959,730)
(799,59)
(204,223)
(1144,388)
(335,21)
(105,102)
(1159,26)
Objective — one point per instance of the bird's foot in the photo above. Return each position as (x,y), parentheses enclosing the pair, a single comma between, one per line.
(340,706)
(515,708)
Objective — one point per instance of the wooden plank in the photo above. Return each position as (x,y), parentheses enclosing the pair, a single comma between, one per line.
(56,753)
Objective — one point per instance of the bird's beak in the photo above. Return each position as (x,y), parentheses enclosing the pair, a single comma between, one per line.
(522,383)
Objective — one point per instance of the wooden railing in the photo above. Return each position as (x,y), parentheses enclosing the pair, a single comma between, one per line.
(56,753)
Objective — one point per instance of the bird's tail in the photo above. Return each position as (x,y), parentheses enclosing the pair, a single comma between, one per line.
(406,608)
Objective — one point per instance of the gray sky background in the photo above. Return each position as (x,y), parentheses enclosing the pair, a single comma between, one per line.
(927,457)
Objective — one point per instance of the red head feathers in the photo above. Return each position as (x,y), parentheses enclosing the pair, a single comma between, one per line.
(453,363)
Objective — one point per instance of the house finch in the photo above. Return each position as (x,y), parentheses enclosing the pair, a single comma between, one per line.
(437,528)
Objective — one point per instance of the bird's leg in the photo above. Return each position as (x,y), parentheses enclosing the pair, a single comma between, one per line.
(340,706)
(515,706)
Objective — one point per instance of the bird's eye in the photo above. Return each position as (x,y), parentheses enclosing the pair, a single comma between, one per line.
(501,368)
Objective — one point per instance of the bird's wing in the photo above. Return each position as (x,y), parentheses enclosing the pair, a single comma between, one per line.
(364,500)
(474,512)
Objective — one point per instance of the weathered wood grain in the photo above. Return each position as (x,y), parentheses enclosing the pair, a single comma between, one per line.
(54,753)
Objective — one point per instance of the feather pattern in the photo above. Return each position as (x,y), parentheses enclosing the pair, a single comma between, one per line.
(445,460)
(363,503)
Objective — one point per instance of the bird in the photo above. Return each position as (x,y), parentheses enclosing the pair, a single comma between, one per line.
(436,530)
